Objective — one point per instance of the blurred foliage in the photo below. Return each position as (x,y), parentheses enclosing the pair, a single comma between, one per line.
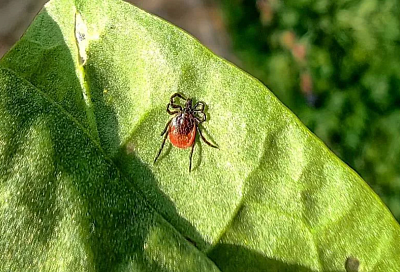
(336,64)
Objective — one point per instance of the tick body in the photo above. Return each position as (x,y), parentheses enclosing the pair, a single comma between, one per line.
(182,131)
(184,126)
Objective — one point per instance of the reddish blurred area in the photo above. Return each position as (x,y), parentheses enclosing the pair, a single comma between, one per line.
(201,18)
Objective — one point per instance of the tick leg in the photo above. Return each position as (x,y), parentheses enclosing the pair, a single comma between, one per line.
(176,95)
(203,116)
(161,148)
(201,104)
(204,139)
(171,101)
(174,107)
(190,160)
(166,127)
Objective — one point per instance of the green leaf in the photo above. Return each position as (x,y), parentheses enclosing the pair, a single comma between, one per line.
(82,106)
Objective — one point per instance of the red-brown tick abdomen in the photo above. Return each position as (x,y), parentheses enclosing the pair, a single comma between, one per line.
(182,131)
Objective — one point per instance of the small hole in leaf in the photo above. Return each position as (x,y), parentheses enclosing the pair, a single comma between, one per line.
(352,264)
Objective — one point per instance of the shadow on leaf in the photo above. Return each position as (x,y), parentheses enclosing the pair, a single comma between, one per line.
(230,257)
(77,202)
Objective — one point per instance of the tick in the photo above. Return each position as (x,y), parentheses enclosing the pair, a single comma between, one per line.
(184,126)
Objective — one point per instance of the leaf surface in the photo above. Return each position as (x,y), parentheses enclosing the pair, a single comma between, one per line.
(82,106)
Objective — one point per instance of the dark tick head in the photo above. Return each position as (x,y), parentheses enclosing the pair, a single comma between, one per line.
(188,105)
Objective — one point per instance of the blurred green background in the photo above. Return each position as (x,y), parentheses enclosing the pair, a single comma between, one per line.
(334,63)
